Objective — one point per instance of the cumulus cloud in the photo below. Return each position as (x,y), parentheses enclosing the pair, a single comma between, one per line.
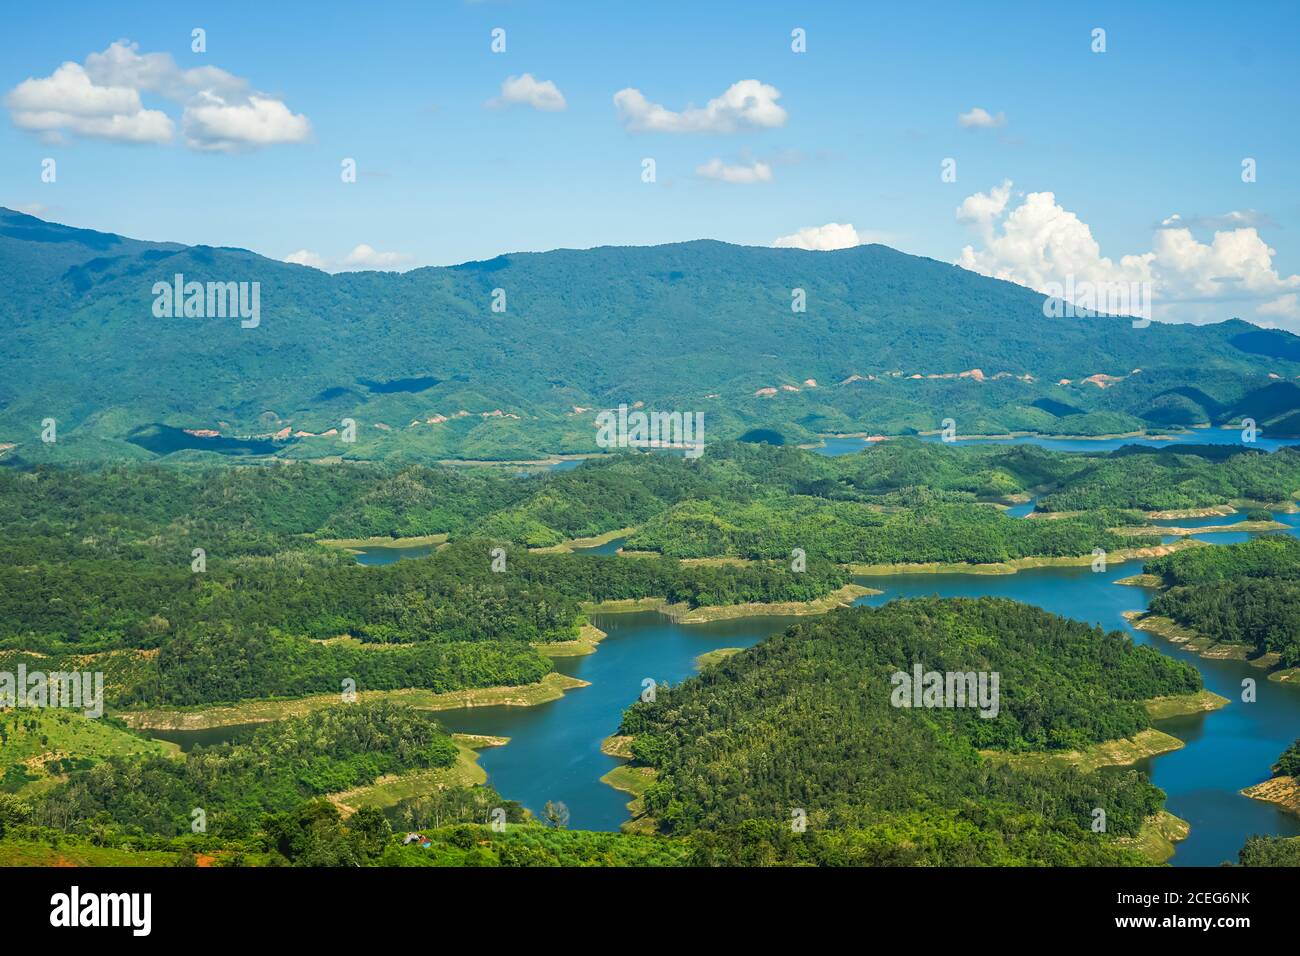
(833,235)
(68,101)
(756,172)
(102,99)
(1284,307)
(1229,220)
(363,257)
(983,208)
(305,257)
(1041,244)
(213,124)
(525,90)
(747,104)
(368,257)
(980,118)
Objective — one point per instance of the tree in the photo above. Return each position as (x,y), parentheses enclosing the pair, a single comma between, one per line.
(556,814)
(371,830)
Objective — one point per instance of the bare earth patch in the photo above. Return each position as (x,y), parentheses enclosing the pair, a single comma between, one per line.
(1284,791)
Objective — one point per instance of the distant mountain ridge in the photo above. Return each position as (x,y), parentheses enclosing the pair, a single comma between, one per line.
(889,343)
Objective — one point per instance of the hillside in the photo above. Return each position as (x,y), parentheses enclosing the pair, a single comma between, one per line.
(427,369)
(808,720)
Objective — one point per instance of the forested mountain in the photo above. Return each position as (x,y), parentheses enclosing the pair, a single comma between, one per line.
(427,368)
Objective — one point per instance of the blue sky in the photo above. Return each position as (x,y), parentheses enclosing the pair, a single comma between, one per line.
(1156,126)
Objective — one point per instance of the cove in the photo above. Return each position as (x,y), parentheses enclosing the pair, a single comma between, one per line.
(554,751)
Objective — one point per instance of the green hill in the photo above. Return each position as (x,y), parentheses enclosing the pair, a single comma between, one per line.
(427,369)
(809,724)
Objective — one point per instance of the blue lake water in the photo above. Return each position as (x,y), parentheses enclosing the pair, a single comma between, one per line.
(1199,436)
(554,751)
(380,555)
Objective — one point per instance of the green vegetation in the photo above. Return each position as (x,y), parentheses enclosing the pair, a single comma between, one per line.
(336,346)
(1161,708)
(96,572)
(1283,789)
(850,532)
(1176,478)
(551,687)
(471,845)
(42,745)
(1246,593)
(1288,765)
(237,785)
(106,567)
(804,720)
(1270,851)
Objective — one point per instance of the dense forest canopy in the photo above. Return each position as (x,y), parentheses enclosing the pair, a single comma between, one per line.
(805,720)
(238,784)
(1246,593)
(101,560)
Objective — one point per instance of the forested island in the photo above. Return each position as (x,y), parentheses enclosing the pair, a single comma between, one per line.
(1242,598)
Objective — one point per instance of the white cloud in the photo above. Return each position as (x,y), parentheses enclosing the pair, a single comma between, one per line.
(1040,243)
(983,208)
(122,65)
(748,104)
(756,172)
(69,101)
(214,125)
(367,257)
(305,257)
(980,118)
(363,257)
(103,99)
(1284,307)
(833,235)
(1229,220)
(541,95)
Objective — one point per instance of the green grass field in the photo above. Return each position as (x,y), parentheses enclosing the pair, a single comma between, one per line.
(36,744)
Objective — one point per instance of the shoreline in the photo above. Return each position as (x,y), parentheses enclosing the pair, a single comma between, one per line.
(1283,792)
(1249,526)
(1156,838)
(682,614)
(1005,436)
(1202,645)
(1016,565)
(209,717)
(1204,701)
(587,642)
(382,541)
(578,544)
(1108,753)
(391,789)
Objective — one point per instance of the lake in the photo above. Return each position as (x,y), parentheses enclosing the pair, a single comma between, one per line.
(554,751)
(1200,436)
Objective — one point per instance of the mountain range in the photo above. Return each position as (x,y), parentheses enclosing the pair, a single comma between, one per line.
(422,362)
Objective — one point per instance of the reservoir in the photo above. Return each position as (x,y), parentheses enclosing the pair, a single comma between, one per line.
(554,751)
(1198,436)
